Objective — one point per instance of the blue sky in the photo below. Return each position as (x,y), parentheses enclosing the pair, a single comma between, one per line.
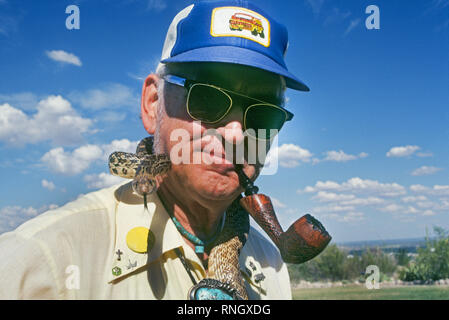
(367,152)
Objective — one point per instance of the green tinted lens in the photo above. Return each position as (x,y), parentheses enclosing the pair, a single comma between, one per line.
(207,103)
(264,120)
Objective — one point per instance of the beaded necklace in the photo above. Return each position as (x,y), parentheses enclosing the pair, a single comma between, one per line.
(199,244)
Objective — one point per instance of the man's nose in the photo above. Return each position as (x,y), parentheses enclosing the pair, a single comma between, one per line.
(232,132)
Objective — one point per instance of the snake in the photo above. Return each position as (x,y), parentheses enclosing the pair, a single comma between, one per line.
(143,167)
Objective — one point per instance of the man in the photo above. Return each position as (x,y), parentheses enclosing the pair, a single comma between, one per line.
(97,247)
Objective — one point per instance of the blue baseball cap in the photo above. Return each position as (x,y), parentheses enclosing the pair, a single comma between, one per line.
(229,31)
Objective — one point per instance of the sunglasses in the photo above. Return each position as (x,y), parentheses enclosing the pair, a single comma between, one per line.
(211,104)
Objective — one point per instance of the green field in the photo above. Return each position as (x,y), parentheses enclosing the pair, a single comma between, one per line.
(362,293)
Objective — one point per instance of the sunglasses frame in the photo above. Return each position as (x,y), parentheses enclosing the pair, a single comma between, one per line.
(189,84)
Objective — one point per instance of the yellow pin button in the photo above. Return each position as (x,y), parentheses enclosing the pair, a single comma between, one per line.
(138,239)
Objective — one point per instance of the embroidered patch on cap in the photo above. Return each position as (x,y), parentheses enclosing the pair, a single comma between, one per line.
(240,22)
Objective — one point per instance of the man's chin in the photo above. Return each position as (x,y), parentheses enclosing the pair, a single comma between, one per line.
(220,196)
(217,183)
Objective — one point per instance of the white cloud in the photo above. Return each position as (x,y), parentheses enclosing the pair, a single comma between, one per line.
(443,206)
(344,199)
(425,204)
(424,154)
(436,190)
(434,205)
(413,199)
(13,216)
(102,180)
(358,185)
(277,203)
(343,203)
(328,185)
(392,208)
(324,196)
(425,170)
(119,145)
(55,120)
(48,184)
(340,156)
(363,155)
(421,205)
(348,217)
(64,57)
(288,155)
(363,201)
(110,96)
(428,213)
(418,188)
(402,151)
(441,190)
(71,163)
(353,216)
(411,210)
(333,208)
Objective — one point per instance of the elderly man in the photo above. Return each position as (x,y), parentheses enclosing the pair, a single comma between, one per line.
(221,81)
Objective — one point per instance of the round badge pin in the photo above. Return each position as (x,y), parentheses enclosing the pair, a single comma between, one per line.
(140,239)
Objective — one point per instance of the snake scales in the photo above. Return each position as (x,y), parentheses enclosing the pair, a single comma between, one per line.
(223,263)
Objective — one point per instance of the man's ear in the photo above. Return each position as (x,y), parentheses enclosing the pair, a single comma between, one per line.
(149,103)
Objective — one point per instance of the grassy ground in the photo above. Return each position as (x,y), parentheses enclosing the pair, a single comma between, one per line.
(362,293)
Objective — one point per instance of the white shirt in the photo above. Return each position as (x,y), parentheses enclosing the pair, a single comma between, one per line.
(71,252)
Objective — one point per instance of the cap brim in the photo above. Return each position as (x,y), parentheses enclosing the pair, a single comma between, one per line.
(236,55)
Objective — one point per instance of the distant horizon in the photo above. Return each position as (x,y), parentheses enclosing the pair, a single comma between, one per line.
(386,240)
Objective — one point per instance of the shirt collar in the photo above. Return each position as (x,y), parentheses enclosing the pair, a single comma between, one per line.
(130,213)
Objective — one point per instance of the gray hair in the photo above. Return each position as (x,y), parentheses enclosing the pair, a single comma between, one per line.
(160,72)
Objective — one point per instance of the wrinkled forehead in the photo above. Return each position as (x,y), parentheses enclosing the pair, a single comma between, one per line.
(250,81)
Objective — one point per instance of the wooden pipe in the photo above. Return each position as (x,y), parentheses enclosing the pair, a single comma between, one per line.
(305,238)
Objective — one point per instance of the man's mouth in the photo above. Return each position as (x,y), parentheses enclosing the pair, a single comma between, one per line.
(213,152)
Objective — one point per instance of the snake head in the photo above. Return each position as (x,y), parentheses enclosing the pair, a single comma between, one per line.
(143,183)
(147,187)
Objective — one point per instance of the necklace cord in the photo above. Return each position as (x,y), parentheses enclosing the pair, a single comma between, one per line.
(199,244)
(186,266)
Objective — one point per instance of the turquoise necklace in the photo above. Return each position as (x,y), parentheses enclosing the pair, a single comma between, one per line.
(199,244)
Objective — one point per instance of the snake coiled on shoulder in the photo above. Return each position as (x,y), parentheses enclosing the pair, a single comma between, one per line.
(223,263)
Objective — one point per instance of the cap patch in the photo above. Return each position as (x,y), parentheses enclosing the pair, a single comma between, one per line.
(240,22)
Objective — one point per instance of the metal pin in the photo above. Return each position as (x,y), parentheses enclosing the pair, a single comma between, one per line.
(119,253)
(131,265)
